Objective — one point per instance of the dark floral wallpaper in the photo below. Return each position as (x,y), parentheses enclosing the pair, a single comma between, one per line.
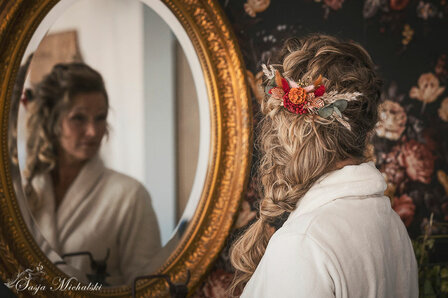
(408,41)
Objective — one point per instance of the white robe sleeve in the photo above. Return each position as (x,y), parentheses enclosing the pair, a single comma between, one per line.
(292,266)
(139,237)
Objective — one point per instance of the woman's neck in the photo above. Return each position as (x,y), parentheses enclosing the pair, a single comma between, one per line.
(63,175)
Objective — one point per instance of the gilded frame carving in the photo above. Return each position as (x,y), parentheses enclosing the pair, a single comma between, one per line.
(228,167)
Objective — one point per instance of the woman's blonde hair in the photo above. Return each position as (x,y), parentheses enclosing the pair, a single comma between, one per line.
(296,150)
(53,97)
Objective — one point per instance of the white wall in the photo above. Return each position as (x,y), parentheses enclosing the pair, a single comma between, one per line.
(160,92)
(110,35)
(131,47)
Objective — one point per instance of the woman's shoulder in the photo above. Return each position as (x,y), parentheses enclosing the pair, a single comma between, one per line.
(341,224)
(121,182)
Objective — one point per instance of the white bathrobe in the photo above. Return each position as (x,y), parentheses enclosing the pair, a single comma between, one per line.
(343,240)
(101,210)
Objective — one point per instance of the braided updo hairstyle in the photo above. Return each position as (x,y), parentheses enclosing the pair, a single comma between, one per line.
(296,150)
(53,97)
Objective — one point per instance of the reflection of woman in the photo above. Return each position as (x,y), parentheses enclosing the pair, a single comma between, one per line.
(341,238)
(79,204)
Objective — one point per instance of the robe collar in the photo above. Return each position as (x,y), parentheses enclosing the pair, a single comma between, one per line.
(52,221)
(360,181)
(80,188)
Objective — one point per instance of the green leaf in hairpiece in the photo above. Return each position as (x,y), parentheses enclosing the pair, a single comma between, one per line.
(341,104)
(270,86)
(337,107)
(326,111)
(336,111)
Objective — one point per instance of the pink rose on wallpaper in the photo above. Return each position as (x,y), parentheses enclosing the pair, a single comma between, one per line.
(440,68)
(405,208)
(426,10)
(334,4)
(418,161)
(217,284)
(395,173)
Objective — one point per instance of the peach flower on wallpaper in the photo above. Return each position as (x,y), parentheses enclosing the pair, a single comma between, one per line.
(443,110)
(392,120)
(252,7)
(405,208)
(245,215)
(443,180)
(334,4)
(369,153)
(428,88)
(255,84)
(418,161)
(217,284)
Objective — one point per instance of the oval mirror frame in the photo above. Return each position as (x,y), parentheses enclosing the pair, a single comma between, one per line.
(229,156)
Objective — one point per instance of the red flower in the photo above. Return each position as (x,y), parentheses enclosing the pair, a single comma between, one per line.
(319,91)
(217,283)
(285,85)
(405,208)
(398,4)
(294,108)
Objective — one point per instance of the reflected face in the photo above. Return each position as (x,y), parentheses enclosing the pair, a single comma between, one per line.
(83,126)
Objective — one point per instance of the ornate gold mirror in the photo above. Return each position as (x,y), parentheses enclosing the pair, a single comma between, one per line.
(184,44)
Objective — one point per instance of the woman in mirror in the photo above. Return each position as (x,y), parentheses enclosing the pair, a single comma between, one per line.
(341,237)
(81,207)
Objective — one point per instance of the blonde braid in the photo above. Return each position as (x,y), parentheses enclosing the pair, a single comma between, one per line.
(296,150)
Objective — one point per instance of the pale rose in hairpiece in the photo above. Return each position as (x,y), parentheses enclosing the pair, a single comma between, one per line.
(292,84)
(309,88)
(277,92)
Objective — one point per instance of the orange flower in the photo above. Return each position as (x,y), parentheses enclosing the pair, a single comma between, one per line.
(297,95)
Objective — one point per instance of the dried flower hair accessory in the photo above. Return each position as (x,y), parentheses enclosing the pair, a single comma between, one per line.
(303,98)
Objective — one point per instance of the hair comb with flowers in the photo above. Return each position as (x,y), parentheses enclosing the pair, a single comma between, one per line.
(308,97)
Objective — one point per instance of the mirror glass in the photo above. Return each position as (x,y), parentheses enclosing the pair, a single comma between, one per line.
(109,173)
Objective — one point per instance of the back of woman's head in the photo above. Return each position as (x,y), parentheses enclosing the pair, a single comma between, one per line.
(296,150)
(53,97)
